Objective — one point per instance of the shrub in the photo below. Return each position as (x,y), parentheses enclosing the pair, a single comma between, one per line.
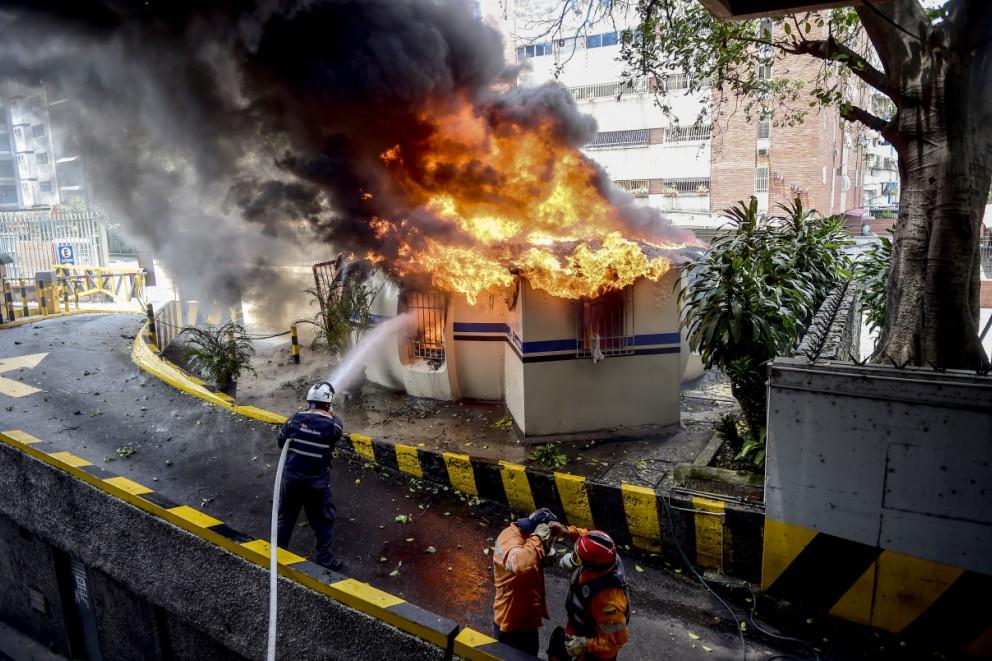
(752,294)
(549,455)
(344,310)
(872,270)
(221,354)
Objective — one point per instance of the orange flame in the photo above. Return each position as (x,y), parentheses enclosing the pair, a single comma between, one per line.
(508,200)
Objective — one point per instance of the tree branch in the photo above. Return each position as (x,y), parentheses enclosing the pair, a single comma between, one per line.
(830,49)
(856,114)
(899,31)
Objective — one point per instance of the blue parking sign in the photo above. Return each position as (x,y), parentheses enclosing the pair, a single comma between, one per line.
(66,254)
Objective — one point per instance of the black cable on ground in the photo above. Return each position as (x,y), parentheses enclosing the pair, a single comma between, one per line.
(754,599)
(705,584)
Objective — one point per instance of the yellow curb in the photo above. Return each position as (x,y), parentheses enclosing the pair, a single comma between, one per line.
(24,321)
(143,356)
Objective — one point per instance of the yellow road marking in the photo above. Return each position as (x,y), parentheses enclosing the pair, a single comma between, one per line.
(709,532)
(70,459)
(460,472)
(13,388)
(517,487)
(575,499)
(641,507)
(408,461)
(127,485)
(283,557)
(195,516)
(362,594)
(22,436)
(783,542)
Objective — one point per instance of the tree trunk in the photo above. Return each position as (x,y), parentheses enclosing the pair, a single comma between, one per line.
(944,143)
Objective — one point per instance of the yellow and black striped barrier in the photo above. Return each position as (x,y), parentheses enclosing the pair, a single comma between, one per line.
(396,611)
(902,594)
(295,338)
(719,534)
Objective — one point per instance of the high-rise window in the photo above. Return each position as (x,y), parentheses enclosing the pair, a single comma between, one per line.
(764,125)
(38,131)
(761,179)
(45,186)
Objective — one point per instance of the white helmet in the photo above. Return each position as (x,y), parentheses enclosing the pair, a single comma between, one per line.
(321,393)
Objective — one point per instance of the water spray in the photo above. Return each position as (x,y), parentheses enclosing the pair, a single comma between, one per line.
(344,373)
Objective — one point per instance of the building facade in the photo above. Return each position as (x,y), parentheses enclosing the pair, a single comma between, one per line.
(39,168)
(690,170)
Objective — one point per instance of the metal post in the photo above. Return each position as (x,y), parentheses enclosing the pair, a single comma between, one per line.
(8,298)
(53,301)
(65,295)
(40,293)
(24,298)
(152,335)
(75,295)
(296,343)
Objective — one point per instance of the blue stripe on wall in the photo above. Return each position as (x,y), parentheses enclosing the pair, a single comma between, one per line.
(657,338)
(539,346)
(465,327)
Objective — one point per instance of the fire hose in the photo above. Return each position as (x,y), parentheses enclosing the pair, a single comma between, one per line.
(273,555)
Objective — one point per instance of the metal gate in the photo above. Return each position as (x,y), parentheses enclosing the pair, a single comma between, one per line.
(31,239)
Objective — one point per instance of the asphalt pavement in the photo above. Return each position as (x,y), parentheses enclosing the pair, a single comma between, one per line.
(86,396)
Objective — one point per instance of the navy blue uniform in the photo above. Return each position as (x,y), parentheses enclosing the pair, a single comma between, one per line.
(306,480)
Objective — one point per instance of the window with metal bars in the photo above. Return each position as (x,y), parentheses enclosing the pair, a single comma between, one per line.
(687,186)
(687,133)
(427,339)
(761,179)
(636,187)
(611,139)
(608,90)
(764,125)
(606,326)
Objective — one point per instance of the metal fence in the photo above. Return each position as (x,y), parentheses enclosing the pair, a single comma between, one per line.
(688,133)
(32,240)
(630,138)
(428,309)
(611,90)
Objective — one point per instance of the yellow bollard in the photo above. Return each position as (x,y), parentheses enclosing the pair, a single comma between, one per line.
(75,295)
(65,296)
(152,335)
(8,299)
(296,343)
(24,298)
(39,291)
(53,301)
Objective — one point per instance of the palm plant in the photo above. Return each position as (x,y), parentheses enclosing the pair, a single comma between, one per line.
(872,270)
(221,354)
(751,295)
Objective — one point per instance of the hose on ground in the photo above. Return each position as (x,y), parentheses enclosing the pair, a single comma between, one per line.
(273,556)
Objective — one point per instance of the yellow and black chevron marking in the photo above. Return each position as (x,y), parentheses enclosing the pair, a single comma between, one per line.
(899,593)
(717,535)
(438,630)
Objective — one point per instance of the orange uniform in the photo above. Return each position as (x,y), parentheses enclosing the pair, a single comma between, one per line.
(520,600)
(600,614)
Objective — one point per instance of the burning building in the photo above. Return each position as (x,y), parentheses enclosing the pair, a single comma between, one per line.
(526,278)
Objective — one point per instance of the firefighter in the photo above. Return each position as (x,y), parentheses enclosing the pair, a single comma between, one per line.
(521,551)
(306,481)
(598,602)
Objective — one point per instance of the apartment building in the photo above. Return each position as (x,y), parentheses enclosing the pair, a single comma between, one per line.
(690,170)
(38,167)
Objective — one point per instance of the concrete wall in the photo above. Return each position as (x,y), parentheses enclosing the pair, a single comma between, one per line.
(567,394)
(160,580)
(878,496)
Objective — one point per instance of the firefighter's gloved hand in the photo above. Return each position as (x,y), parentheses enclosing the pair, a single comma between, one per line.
(567,561)
(576,645)
(543,533)
(557,530)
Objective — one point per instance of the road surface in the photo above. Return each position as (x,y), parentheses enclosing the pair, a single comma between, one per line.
(85,395)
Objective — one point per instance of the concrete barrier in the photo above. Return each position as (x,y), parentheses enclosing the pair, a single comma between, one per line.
(716,533)
(878,496)
(186,576)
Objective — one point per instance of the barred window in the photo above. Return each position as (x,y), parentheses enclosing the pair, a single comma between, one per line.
(764,125)
(687,133)
(636,187)
(761,179)
(686,186)
(606,325)
(608,90)
(610,139)
(427,337)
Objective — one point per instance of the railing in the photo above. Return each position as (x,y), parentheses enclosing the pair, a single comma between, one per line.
(636,187)
(32,238)
(630,138)
(761,180)
(688,133)
(610,90)
(120,285)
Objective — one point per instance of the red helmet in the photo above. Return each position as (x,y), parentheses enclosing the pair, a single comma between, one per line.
(596,550)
